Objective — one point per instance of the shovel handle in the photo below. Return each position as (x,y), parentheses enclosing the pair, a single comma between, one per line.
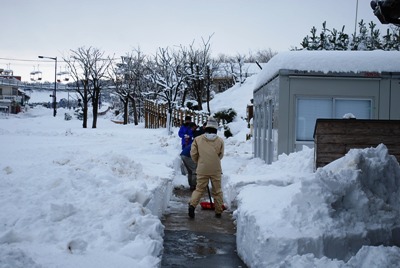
(209,194)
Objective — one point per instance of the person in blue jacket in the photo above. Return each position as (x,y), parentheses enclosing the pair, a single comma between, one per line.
(190,166)
(186,131)
(186,166)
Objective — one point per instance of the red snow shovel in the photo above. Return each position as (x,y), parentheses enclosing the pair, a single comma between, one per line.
(209,205)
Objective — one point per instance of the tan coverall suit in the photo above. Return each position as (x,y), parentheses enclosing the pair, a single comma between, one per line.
(207,151)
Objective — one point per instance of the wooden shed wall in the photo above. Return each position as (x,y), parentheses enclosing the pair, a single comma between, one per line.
(333,138)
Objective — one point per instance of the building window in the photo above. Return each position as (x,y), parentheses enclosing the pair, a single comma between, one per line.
(309,110)
(361,109)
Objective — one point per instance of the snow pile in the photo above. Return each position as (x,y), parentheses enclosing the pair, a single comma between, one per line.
(326,218)
(237,97)
(74,197)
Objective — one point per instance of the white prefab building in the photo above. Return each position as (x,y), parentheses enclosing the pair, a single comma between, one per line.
(295,88)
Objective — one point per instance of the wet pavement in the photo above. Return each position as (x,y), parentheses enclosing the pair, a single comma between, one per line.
(204,241)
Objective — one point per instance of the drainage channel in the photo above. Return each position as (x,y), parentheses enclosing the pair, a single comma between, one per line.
(201,242)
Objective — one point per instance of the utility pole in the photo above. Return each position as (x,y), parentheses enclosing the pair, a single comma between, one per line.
(54,95)
(355,23)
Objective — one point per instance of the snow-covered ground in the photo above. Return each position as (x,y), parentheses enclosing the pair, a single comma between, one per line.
(73,197)
(37,96)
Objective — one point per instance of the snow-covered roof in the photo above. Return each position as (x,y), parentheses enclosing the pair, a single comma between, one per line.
(330,61)
(9,80)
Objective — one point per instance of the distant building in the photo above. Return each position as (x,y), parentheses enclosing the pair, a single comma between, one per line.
(8,74)
(12,98)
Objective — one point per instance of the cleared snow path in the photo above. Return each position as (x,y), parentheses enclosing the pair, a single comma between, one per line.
(201,242)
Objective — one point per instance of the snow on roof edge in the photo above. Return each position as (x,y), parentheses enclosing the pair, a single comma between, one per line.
(330,61)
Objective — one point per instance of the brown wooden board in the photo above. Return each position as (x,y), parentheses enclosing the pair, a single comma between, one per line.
(333,138)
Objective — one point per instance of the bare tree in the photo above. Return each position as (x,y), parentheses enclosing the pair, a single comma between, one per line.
(238,64)
(88,69)
(200,70)
(168,76)
(262,56)
(129,79)
(231,67)
(121,88)
(237,67)
(138,82)
(240,61)
(80,75)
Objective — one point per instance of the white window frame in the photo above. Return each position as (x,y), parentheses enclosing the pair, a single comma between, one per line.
(333,101)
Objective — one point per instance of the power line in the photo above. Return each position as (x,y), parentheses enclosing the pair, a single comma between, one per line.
(13,59)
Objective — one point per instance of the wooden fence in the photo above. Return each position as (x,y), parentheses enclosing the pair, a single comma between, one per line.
(155,115)
(333,138)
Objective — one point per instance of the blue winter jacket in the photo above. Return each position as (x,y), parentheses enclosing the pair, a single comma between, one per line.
(185,130)
(186,150)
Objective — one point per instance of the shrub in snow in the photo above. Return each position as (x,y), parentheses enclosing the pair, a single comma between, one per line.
(226,116)
(227,132)
(191,105)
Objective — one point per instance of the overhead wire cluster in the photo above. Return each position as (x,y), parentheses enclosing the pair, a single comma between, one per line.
(34,64)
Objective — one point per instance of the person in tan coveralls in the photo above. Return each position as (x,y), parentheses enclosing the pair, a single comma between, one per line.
(207,151)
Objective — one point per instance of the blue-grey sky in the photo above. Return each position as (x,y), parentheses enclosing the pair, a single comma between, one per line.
(53,27)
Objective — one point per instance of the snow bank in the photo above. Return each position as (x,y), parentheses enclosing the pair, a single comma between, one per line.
(74,197)
(244,170)
(335,213)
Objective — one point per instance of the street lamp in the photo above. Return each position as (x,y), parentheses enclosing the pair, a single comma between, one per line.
(55,83)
